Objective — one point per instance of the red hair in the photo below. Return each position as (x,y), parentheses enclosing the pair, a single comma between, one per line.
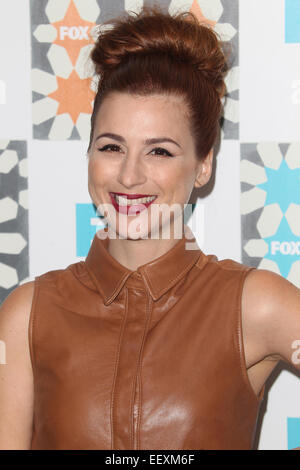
(155,52)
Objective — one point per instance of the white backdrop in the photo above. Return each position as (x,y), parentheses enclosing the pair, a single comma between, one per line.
(268,105)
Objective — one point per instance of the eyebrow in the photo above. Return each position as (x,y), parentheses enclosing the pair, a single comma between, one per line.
(155,140)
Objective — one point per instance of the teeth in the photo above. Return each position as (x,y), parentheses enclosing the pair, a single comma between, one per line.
(123,201)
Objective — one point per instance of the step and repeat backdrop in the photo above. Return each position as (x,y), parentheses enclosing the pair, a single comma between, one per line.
(249,211)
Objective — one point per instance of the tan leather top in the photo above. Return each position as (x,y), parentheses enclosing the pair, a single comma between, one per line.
(146,359)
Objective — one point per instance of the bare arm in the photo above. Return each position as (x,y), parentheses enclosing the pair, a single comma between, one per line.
(274,323)
(16,378)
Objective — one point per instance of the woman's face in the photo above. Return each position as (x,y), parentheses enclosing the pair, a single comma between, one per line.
(123,160)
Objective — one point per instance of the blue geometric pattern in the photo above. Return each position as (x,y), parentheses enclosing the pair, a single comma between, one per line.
(283,248)
(292,21)
(282,186)
(88,222)
(278,166)
(293,432)
(282,197)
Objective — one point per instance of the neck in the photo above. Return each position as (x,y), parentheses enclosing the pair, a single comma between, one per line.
(134,253)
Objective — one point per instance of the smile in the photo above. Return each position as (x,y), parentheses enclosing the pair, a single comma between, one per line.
(123,204)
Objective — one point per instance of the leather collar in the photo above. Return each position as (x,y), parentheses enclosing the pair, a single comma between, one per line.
(159,275)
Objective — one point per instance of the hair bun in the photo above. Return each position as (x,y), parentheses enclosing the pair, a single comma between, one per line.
(155,52)
(180,36)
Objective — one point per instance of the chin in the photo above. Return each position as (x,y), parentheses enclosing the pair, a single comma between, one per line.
(134,230)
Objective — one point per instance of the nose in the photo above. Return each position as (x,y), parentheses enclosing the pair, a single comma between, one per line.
(131,172)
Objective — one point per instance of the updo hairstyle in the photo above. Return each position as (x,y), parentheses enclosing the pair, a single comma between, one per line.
(154,52)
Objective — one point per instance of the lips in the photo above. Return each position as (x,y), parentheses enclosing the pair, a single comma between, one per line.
(133,196)
(134,209)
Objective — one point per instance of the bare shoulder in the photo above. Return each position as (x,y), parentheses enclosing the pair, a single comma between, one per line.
(16,375)
(15,313)
(23,292)
(270,307)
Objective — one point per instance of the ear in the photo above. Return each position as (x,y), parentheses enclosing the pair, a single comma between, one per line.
(204,170)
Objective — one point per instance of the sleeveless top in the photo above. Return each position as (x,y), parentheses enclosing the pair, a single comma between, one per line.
(145,359)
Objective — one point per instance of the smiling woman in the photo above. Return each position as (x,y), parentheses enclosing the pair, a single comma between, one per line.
(149,343)
(127,166)
(153,71)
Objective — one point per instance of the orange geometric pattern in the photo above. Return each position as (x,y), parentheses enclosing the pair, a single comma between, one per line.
(71,32)
(195,8)
(74,96)
(76,38)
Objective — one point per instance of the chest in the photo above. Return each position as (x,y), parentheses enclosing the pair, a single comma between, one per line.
(142,375)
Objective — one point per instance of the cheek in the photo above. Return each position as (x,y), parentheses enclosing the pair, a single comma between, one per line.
(179,179)
(92,167)
(170,175)
(98,171)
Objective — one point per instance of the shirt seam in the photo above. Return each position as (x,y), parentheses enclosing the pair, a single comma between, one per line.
(240,266)
(32,322)
(115,373)
(32,349)
(135,380)
(173,281)
(149,314)
(240,342)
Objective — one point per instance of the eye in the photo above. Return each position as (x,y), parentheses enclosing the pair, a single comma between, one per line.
(168,154)
(115,148)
